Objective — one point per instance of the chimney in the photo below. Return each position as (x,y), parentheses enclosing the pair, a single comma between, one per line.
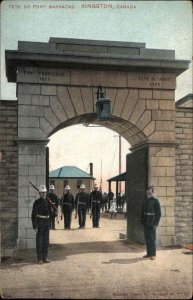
(91,169)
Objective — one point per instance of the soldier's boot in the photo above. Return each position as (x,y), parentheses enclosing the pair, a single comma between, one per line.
(40,262)
(46,261)
(152,257)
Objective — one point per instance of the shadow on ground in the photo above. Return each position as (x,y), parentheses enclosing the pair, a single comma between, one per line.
(119,216)
(123,261)
(59,252)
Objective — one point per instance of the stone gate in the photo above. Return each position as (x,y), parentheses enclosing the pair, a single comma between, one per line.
(56,87)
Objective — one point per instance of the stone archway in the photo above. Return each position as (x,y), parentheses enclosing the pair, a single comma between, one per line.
(56,87)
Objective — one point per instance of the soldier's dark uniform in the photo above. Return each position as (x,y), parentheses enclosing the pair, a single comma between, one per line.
(95,202)
(54,199)
(81,206)
(67,207)
(151,214)
(40,221)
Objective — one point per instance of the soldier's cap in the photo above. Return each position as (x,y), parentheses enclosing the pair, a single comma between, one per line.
(82,186)
(42,189)
(67,188)
(150,187)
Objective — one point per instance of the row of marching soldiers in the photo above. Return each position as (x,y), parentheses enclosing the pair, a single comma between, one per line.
(82,203)
(45,208)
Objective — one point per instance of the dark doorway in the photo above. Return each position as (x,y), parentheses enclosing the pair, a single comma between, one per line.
(136,184)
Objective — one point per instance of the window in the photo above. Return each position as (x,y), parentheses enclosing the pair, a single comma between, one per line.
(52,182)
(65,183)
(79,182)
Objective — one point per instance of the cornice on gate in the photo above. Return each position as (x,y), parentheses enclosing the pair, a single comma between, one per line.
(93,55)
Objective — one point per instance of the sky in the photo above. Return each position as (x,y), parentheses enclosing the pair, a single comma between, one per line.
(89,144)
(159,24)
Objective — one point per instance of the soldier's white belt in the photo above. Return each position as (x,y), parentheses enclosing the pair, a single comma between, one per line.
(43,217)
(95,201)
(149,214)
(81,203)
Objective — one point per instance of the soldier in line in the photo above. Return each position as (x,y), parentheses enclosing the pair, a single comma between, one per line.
(110,197)
(81,206)
(113,209)
(41,224)
(151,214)
(53,212)
(104,202)
(67,207)
(125,209)
(95,202)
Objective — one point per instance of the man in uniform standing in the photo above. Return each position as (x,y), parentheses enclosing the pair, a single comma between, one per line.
(81,206)
(95,202)
(110,197)
(54,199)
(67,207)
(151,214)
(41,224)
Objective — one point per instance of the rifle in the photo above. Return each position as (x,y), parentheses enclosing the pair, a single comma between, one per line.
(48,199)
(61,207)
(77,208)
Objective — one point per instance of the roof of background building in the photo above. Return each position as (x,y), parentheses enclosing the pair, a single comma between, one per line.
(120,177)
(69,172)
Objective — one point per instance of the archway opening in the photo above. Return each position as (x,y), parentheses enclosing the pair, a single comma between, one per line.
(82,140)
(73,148)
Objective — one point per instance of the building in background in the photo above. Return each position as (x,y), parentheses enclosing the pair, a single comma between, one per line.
(73,176)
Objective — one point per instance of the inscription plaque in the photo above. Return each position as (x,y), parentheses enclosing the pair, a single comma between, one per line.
(95,78)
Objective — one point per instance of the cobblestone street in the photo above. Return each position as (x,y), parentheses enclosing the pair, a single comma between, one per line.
(96,264)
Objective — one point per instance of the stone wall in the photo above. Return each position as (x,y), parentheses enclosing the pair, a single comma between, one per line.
(32,167)
(8,176)
(184,175)
(162,177)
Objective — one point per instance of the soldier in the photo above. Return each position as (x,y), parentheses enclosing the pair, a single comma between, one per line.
(54,199)
(113,209)
(104,202)
(81,206)
(67,207)
(40,223)
(95,201)
(110,197)
(151,214)
(125,208)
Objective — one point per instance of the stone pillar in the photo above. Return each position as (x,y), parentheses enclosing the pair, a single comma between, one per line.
(162,176)
(32,167)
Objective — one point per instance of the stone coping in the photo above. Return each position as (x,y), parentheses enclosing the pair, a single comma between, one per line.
(90,54)
(183,101)
(32,141)
(15,59)
(154,144)
(95,42)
